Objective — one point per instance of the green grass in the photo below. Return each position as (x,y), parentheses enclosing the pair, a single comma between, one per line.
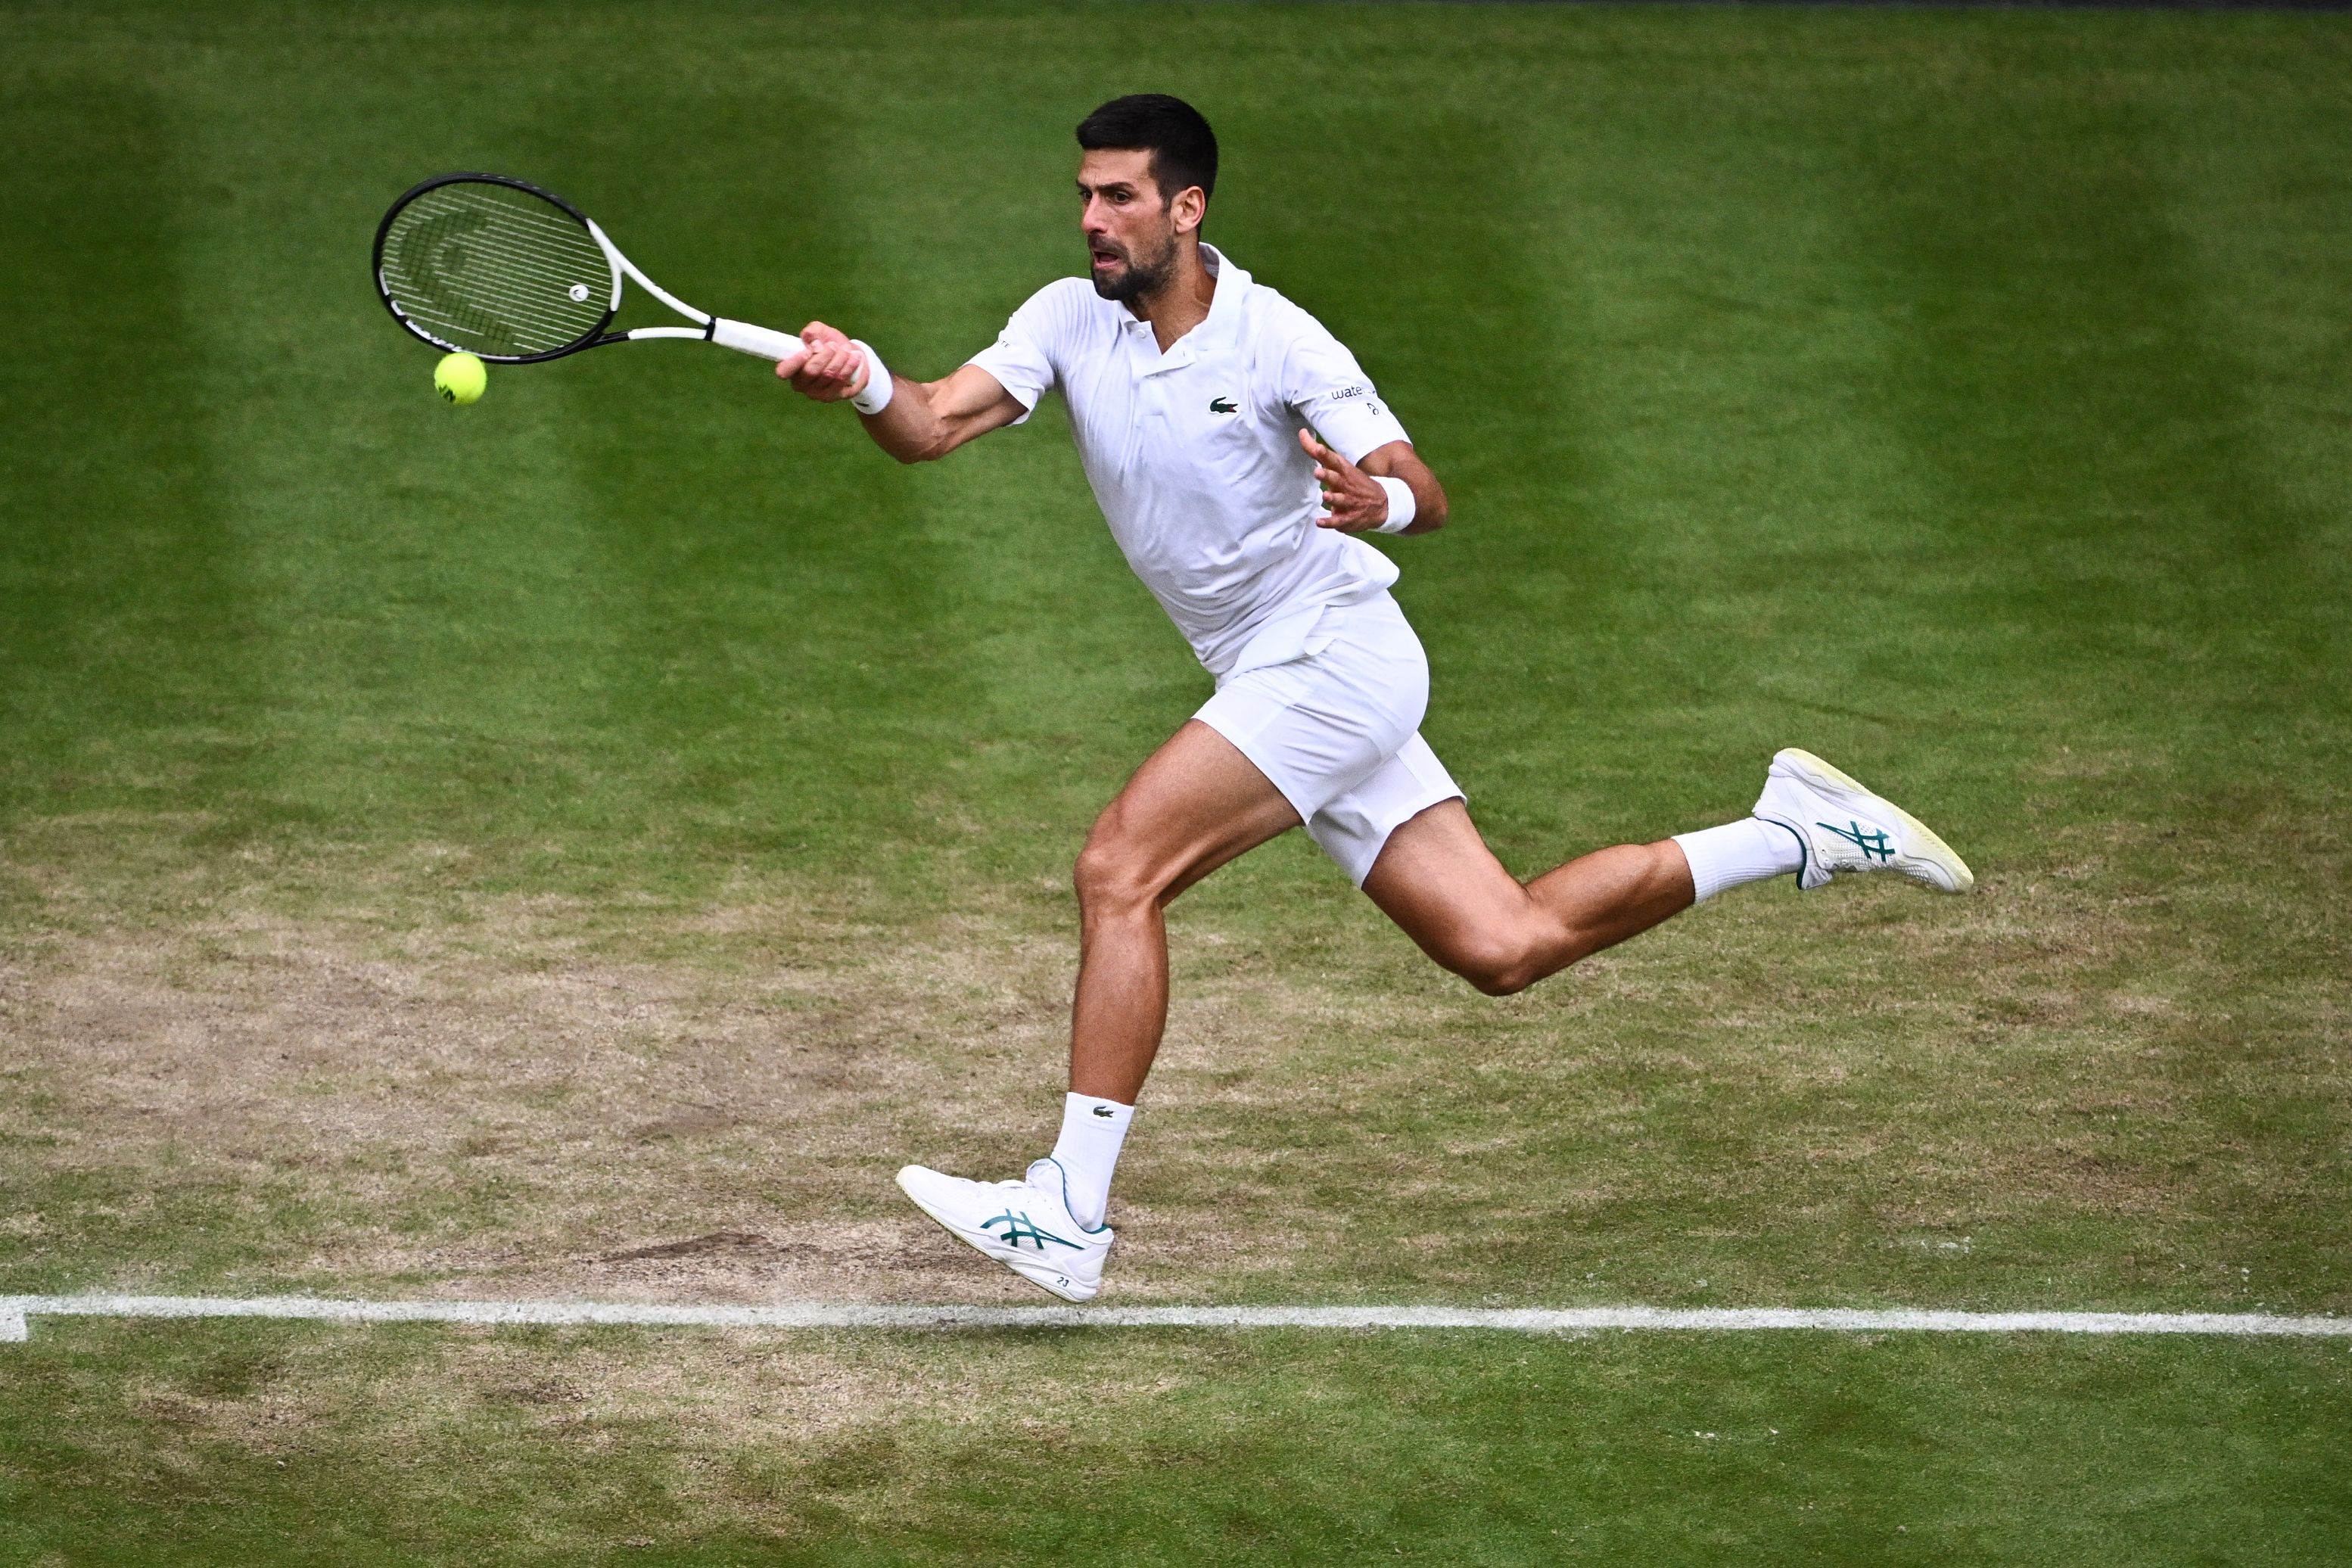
(441,849)
(1267,1449)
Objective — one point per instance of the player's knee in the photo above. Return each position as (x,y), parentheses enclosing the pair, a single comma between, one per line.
(1501,982)
(1110,877)
(1502,964)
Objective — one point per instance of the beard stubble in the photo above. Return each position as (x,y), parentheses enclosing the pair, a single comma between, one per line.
(1142,275)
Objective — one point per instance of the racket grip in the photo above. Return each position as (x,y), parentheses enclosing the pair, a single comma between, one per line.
(745,338)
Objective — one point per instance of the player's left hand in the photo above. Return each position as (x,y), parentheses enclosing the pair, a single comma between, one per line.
(1352,502)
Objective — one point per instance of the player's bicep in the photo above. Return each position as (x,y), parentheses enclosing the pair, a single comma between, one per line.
(968,403)
(971,397)
(1021,362)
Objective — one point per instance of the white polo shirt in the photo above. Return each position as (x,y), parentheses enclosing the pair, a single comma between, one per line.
(1194,455)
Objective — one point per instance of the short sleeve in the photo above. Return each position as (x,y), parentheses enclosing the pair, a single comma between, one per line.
(1021,357)
(1326,387)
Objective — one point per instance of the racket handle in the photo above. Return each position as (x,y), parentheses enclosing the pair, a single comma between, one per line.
(779,347)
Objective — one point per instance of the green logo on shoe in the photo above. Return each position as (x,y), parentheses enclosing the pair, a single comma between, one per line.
(1020,1228)
(1874,845)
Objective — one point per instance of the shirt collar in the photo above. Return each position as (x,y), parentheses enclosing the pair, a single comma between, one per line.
(1225,304)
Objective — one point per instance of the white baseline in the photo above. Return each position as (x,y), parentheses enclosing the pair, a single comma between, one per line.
(17,1310)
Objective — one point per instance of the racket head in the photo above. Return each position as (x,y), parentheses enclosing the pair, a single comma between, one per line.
(495,267)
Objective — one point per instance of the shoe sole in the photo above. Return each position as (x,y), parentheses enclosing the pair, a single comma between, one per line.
(989,1251)
(1920,841)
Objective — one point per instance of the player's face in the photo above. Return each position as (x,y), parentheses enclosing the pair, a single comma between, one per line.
(1130,228)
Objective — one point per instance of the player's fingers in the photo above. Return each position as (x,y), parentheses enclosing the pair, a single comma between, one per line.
(835,362)
(1325,456)
(819,376)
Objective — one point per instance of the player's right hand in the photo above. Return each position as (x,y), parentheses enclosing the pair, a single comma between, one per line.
(835,369)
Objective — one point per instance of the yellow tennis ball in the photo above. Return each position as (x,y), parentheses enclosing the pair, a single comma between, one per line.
(460,378)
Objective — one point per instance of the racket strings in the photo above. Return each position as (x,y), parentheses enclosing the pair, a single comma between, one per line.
(495,270)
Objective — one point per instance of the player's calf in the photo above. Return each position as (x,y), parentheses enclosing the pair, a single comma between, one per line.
(1438,881)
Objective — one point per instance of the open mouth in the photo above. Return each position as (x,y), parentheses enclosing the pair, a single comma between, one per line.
(1103,258)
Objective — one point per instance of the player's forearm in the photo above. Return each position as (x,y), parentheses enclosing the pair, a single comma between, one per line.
(1429,506)
(920,421)
(910,427)
(912,420)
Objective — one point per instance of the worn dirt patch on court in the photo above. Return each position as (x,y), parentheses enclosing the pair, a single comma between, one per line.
(741,1422)
(539,1098)
(501,1106)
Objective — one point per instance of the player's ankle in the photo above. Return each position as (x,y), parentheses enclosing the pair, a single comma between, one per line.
(1093,1129)
(1750,850)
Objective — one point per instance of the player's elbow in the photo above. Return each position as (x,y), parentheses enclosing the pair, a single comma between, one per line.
(1431,507)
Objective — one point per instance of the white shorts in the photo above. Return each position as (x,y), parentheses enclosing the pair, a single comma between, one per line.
(1336,725)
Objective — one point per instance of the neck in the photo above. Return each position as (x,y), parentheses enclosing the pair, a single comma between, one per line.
(1184,303)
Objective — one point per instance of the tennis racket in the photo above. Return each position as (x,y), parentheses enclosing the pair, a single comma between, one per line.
(499,267)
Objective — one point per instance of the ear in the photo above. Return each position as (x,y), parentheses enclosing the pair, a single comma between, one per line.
(1188,209)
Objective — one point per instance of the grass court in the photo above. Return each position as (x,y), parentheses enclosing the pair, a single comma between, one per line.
(580,846)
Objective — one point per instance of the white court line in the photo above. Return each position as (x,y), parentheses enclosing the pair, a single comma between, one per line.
(14,1310)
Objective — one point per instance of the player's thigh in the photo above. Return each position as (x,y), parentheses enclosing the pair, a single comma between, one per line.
(1438,881)
(1195,804)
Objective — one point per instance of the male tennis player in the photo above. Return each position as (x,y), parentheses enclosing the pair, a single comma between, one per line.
(1237,450)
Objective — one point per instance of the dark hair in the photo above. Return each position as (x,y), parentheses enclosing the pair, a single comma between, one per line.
(1183,149)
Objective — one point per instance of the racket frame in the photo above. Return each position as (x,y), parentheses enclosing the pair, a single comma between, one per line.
(741,336)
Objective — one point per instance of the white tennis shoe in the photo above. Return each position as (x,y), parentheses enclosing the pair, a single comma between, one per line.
(1024,1225)
(1845,828)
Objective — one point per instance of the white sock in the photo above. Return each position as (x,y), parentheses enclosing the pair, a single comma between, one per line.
(1744,851)
(1088,1151)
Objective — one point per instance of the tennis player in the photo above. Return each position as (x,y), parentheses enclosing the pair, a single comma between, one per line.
(1239,453)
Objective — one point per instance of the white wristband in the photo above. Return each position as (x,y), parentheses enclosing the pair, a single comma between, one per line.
(879,383)
(1400,505)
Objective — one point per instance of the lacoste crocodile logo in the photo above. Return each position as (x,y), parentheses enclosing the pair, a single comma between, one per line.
(1223,406)
(1020,1228)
